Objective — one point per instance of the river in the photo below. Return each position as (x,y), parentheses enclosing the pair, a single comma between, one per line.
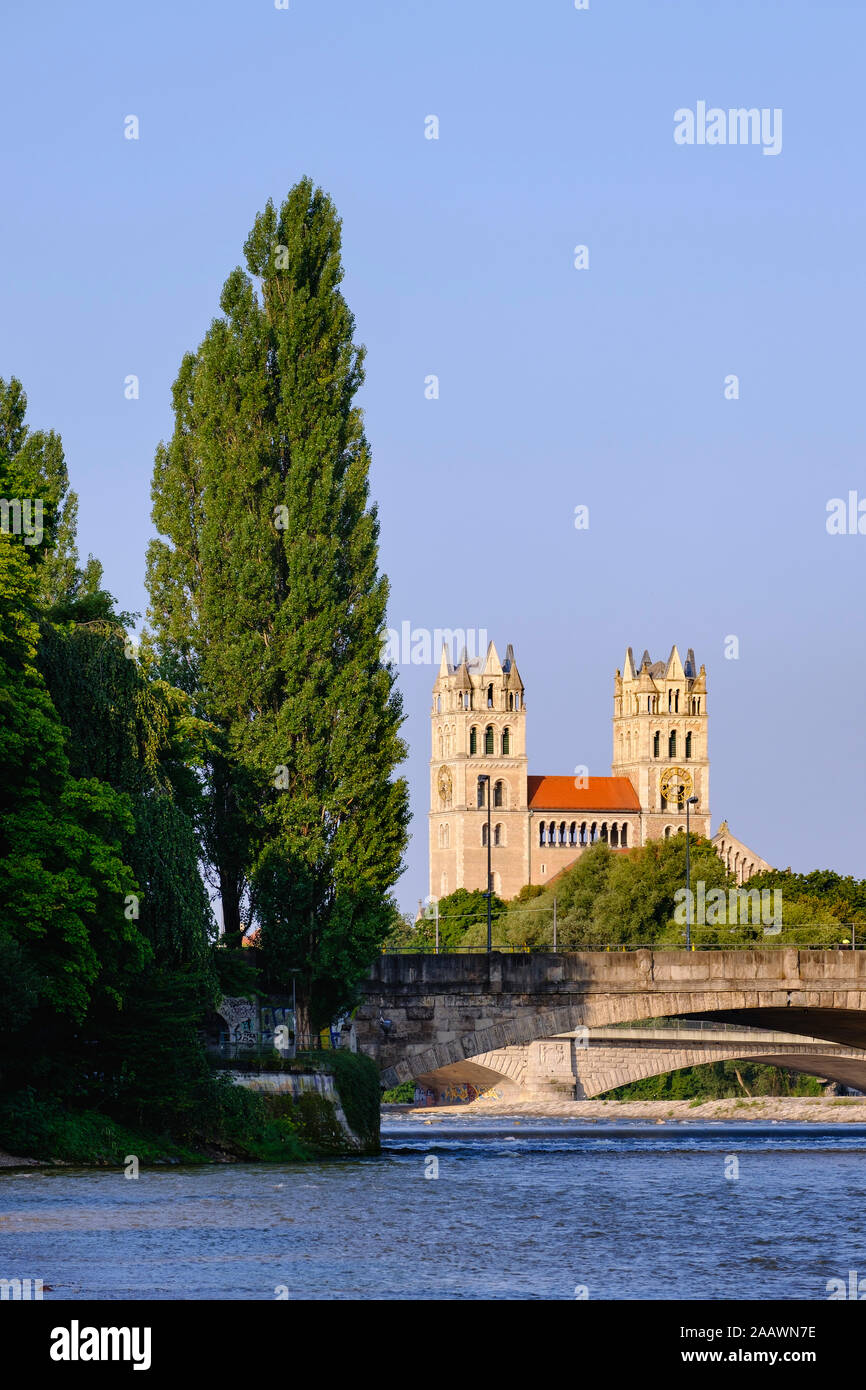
(452,1214)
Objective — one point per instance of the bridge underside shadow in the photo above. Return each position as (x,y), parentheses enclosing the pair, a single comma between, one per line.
(836,1025)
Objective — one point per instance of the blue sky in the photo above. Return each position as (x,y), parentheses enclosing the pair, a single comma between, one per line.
(558,387)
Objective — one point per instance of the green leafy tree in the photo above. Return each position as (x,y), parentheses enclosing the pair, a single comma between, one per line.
(463,920)
(63,881)
(606,899)
(639,901)
(267,605)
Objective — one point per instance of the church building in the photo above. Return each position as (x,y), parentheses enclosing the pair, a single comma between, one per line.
(539,825)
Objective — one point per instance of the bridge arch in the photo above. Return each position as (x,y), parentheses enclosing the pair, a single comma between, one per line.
(808,1062)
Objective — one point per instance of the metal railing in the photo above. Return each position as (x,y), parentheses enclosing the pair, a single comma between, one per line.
(819,937)
(259,1048)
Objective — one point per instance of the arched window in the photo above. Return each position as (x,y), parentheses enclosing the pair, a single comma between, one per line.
(649,704)
(473,740)
(667,832)
(670,700)
(497,794)
(517,701)
(572,833)
(497,834)
(490,697)
(614,836)
(542,833)
(488,740)
(623,839)
(441,745)
(439,704)
(676,701)
(672,744)
(481,786)
(484,836)
(562,833)
(688,745)
(441,836)
(551,833)
(506,742)
(604,831)
(511,699)
(657,739)
(582,836)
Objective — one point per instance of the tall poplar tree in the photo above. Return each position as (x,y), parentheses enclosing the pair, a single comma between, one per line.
(267,605)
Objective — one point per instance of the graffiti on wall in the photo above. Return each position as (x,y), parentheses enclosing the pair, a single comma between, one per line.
(458,1093)
(274,1017)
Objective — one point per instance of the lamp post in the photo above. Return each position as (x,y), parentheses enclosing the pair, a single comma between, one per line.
(293,973)
(485,777)
(690,801)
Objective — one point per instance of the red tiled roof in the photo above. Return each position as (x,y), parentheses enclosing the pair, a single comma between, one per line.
(600,794)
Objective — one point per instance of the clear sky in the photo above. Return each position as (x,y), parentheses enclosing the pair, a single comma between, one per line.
(559,387)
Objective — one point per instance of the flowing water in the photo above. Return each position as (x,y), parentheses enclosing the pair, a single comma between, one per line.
(449,1213)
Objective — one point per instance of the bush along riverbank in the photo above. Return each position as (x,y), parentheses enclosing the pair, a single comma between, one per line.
(336,1115)
(332,1097)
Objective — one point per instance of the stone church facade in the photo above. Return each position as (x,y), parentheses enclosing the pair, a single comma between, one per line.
(539,825)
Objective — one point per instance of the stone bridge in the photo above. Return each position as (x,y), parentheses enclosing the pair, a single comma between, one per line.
(578,1067)
(447,1011)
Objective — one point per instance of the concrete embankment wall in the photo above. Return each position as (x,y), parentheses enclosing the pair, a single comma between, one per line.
(297,1084)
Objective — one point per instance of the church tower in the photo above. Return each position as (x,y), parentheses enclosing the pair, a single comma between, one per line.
(660,741)
(478,726)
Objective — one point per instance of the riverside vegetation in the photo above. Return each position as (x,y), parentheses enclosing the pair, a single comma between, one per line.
(245,749)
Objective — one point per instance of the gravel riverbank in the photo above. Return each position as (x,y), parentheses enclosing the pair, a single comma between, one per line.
(790,1109)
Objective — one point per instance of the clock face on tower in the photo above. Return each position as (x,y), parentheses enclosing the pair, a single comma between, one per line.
(445,786)
(676,785)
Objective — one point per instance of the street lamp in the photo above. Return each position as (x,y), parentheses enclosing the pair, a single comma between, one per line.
(293,973)
(690,801)
(485,777)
